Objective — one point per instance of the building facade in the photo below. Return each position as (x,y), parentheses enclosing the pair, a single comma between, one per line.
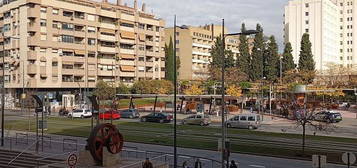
(320,19)
(70,44)
(194,45)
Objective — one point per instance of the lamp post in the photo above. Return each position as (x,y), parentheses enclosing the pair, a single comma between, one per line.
(248,32)
(3,89)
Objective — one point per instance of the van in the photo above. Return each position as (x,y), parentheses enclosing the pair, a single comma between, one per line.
(250,121)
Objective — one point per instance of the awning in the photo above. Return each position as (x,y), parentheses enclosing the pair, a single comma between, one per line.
(110,31)
(43,59)
(127,56)
(142,37)
(127,35)
(80,52)
(127,21)
(67,50)
(127,68)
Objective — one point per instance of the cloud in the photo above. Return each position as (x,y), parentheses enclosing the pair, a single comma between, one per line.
(269,13)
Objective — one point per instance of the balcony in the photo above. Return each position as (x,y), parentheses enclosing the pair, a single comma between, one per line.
(127,74)
(200,53)
(67,71)
(105,49)
(107,37)
(32,27)
(201,45)
(92,73)
(149,64)
(150,53)
(126,62)
(43,71)
(149,74)
(127,51)
(31,69)
(33,12)
(32,41)
(108,25)
(79,72)
(105,73)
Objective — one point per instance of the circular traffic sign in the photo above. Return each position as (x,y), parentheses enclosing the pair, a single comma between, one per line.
(72,160)
(349,158)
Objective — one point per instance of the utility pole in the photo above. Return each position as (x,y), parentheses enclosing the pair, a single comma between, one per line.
(175,94)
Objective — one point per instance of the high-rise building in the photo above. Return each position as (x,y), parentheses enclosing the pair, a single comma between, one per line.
(194,45)
(320,19)
(63,45)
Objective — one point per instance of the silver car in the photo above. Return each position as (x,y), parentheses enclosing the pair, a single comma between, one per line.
(197,119)
(250,121)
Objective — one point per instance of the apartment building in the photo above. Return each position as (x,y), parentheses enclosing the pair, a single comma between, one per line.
(64,45)
(193,48)
(320,19)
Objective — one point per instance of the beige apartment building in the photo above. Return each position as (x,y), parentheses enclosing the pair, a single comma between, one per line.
(330,26)
(64,45)
(193,48)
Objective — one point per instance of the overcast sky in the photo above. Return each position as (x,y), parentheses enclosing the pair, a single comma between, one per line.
(269,13)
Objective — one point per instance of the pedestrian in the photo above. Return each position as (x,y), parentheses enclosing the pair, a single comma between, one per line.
(233,164)
(198,163)
(147,164)
(184,164)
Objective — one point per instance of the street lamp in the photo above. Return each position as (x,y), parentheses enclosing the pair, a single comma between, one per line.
(3,89)
(247,32)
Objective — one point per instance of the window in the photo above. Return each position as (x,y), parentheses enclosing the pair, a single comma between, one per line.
(243,118)
(91,41)
(127,25)
(43,36)
(54,64)
(341,19)
(55,11)
(67,39)
(251,118)
(158,29)
(43,10)
(91,54)
(42,50)
(306,30)
(141,26)
(43,22)
(67,26)
(306,5)
(55,25)
(67,13)
(91,29)
(306,22)
(306,13)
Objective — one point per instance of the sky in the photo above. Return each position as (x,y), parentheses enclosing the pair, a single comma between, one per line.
(268,13)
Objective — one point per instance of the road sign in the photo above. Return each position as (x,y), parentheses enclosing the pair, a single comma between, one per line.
(72,160)
(319,161)
(349,158)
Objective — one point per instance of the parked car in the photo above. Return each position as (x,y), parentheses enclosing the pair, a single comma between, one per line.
(111,114)
(156,117)
(250,121)
(130,113)
(328,116)
(80,113)
(198,119)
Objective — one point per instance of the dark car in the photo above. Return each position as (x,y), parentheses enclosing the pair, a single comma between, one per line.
(157,117)
(130,113)
(328,116)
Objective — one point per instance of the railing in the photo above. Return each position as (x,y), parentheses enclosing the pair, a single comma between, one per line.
(17,156)
(52,157)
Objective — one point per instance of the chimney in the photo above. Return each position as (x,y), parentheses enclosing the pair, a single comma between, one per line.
(143,8)
(119,2)
(135,4)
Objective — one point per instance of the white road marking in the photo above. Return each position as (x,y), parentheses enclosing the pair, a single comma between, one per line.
(257,166)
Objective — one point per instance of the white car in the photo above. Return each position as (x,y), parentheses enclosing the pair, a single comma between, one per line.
(80,113)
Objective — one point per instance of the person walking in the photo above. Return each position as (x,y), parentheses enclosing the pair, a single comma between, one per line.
(233,164)
(198,164)
(147,164)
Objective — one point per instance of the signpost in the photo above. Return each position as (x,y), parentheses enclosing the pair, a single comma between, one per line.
(349,158)
(319,161)
(72,160)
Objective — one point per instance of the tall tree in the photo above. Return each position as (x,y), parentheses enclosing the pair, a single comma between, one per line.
(271,67)
(243,60)
(216,54)
(306,60)
(257,65)
(288,60)
(169,61)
